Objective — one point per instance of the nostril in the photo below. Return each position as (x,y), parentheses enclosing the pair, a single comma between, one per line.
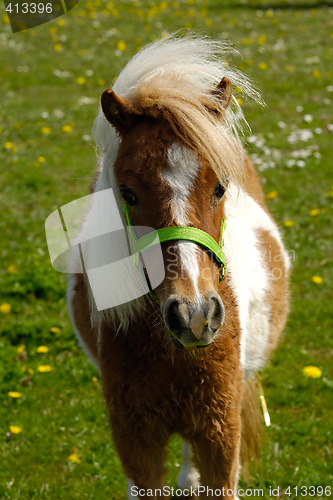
(215,313)
(175,316)
(172,315)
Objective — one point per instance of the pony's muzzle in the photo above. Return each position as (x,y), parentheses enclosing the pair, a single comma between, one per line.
(193,325)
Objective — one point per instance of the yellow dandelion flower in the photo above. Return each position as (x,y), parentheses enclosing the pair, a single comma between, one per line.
(20,349)
(121,45)
(54,329)
(46,130)
(240,100)
(9,145)
(5,308)
(31,371)
(312,371)
(12,268)
(262,39)
(41,159)
(208,22)
(42,349)
(74,458)
(247,41)
(53,30)
(44,368)
(318,280)
(57,47)
(23,369)
(67,128)
(314,211)
(316,73)
(263,66)
(61,22)
(15,429)
(101,82)
(94,379)
(289,223)
(81,80)
(14,394)
(271,195)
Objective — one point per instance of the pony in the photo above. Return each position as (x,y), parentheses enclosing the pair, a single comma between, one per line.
(183,362)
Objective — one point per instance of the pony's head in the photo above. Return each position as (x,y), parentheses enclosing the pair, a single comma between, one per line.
(174,159)
(165,182)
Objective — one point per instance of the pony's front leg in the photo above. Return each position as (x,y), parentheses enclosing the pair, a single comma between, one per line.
(217,459)
(142,453)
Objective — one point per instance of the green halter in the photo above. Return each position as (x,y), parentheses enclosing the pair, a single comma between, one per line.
(178,233)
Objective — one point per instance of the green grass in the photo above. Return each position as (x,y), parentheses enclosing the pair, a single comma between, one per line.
(286,48)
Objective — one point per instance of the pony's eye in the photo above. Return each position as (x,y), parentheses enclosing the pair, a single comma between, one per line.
(219,191)
(129,196)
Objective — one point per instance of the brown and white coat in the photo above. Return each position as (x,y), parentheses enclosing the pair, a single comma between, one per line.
(167,137)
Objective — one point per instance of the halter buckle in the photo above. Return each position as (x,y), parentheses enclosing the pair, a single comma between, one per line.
(221,272)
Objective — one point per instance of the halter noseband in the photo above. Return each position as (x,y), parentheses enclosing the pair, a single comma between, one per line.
(179,233)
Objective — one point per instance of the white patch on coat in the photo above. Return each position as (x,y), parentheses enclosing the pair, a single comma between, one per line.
(188,476)
(183,167)
(249,273)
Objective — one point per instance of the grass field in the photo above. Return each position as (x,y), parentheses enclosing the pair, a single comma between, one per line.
(54,435)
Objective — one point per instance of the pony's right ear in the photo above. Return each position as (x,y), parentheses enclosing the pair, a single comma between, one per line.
(117,110)
(222,96)
(224,92)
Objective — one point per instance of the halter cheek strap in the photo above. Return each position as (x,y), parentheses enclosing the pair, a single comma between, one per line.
(174,233)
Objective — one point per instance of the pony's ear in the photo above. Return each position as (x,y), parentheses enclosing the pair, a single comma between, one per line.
(223,92)
(117,110)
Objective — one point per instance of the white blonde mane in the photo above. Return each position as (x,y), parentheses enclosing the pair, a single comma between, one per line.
(176,72)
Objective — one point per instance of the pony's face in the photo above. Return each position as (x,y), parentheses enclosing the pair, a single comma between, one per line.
(165,183)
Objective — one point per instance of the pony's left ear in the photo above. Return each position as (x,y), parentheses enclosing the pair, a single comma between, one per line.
(117,110)
(223,93)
